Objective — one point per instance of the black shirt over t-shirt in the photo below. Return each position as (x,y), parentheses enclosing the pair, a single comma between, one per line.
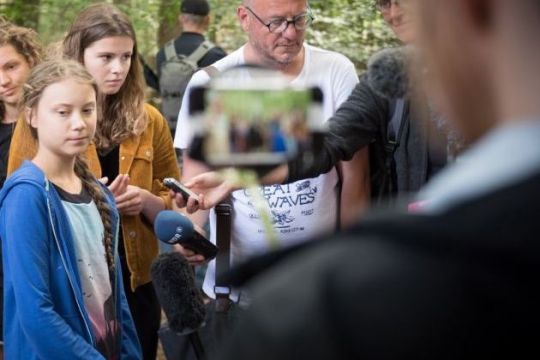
(110,164)
(6,131)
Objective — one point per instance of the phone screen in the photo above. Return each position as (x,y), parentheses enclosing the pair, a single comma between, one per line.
(256,127)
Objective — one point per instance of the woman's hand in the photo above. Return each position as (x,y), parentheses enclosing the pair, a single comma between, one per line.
(118,186)
(131,201)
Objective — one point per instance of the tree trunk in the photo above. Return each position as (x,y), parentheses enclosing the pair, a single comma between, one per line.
(168,27)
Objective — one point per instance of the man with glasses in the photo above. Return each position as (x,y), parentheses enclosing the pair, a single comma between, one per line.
(276,31)
(395,16)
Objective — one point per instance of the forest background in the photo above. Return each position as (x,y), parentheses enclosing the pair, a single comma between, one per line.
(351,27)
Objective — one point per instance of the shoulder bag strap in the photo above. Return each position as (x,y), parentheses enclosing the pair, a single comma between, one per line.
(211,70)
(395,126)
(223,258)
(339,191)
(394,134)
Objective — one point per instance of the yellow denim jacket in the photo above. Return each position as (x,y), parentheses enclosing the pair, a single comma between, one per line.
(147,159)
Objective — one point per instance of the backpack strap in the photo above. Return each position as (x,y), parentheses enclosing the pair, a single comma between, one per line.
(200,51)
(170,51)
(211,70)
(223,258)
(339,191)
(393,137)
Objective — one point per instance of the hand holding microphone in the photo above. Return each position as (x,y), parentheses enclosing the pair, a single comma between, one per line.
(173,228)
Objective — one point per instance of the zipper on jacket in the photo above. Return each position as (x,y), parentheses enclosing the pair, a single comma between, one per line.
(65,264)
(116,291)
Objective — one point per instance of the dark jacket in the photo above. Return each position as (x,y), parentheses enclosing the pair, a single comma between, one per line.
(362,121)
(459,285)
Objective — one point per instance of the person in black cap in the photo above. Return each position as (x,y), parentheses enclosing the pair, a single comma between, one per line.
(190,45)
(194,18)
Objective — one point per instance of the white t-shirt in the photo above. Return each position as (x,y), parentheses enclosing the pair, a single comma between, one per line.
(299,210)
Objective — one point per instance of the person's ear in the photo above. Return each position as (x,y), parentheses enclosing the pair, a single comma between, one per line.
(243,17)
(30,117)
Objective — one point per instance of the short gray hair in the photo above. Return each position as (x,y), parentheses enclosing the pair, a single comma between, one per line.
(194,19)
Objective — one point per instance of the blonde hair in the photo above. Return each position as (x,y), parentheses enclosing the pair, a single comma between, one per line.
(43,75)
(122,114)
(24,41)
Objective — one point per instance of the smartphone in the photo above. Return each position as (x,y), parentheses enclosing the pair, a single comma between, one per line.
(178,187)
(254,126)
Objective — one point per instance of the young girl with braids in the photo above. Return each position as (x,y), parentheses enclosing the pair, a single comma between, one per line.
(64,296)
(131,138)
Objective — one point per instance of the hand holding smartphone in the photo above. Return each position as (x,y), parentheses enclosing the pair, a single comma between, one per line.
(180,188)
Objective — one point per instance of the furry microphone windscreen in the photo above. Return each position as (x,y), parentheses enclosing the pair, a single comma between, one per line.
(388,72)
(175,287)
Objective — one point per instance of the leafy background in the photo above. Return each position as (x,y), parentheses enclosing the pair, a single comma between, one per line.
(351,27)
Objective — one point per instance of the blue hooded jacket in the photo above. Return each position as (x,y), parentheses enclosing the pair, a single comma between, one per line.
(44,312)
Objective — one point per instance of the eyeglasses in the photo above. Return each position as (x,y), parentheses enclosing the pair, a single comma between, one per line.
(385,5)
(279,25)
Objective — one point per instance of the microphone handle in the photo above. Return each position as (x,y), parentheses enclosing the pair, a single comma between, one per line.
(198,348)
(201,245)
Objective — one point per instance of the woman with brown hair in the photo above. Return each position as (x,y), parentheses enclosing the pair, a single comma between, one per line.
(132,139)
(19,52)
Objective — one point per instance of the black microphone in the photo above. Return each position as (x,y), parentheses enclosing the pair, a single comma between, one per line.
(173,228)
(388,72)
(182,302)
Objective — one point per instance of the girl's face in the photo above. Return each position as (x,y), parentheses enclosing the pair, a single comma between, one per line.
(14,69)
(65,118)
(108,60)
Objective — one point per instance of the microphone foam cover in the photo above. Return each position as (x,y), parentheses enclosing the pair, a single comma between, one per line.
(388,72)
(175,287)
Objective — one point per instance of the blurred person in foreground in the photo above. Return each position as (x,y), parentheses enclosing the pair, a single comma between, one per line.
(458,279)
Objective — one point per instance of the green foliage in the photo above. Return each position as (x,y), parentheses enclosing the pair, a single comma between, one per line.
(224,29)
(351,27)
(252,104)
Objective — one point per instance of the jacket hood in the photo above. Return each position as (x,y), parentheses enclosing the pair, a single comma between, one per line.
(28,173)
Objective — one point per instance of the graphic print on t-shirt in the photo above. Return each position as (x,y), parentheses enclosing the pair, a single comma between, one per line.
(280,200)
